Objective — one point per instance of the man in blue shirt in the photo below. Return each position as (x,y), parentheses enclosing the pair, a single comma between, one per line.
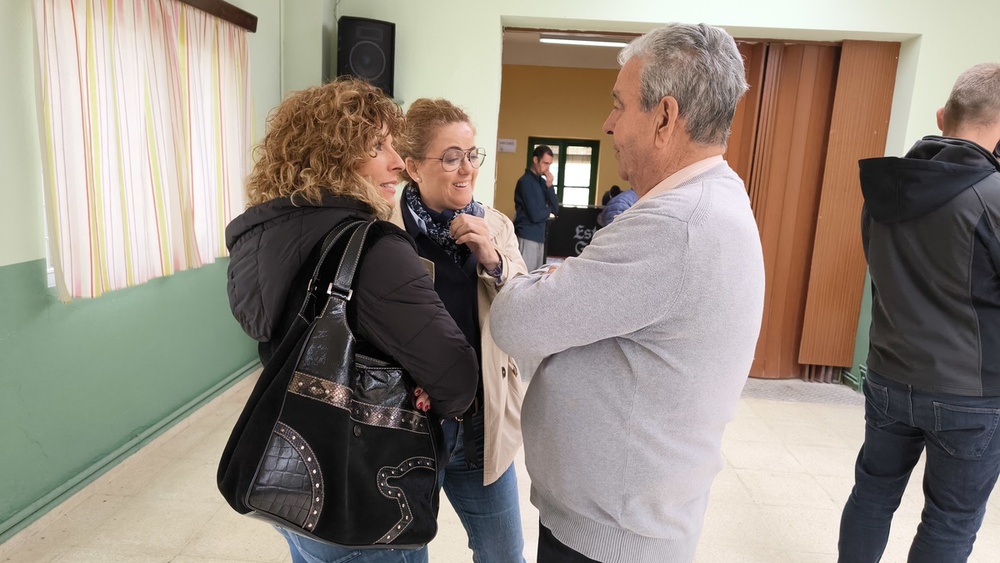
(616,206)
(534,200)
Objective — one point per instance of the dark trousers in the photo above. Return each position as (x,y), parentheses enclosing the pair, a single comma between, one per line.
(551,550)
(963,461)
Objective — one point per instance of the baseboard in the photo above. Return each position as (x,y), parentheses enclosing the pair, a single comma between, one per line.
(33,512)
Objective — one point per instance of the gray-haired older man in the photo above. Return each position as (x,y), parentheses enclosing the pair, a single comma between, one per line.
(623,419)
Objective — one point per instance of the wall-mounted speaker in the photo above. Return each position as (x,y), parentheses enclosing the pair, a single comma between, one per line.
(365,49)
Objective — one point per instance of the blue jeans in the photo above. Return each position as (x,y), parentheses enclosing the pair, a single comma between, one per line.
(963,462)
(491,515)
(306,550)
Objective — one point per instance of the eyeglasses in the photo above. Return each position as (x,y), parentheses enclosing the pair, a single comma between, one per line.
(452,159)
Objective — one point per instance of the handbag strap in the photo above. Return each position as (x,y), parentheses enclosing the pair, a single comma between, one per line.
(341,284)
(329,241)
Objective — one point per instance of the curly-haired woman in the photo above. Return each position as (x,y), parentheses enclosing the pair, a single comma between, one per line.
(328,157)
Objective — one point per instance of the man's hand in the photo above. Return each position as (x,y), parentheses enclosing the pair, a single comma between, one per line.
(472,231)
(549,178)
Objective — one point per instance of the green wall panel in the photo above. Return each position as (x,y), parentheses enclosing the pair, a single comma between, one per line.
(80,380)
(864,324)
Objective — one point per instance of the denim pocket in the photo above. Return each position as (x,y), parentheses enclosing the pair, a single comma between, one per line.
(877,399)
(965,432)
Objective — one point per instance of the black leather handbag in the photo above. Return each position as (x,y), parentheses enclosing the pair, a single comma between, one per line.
(329,445)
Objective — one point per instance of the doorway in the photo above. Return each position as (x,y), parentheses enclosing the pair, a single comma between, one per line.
(813,110)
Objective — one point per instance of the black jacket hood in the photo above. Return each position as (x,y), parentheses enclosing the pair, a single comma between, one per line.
(268,245)
(934,171)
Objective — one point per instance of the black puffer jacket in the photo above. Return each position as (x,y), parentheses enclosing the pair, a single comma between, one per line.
(930,231)
(394,308)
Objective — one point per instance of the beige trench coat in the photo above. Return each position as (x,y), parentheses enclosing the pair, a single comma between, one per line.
(503,389)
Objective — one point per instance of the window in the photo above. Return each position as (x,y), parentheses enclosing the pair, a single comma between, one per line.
(146,138)
(574,166)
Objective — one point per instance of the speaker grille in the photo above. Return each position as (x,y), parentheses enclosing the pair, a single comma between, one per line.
(367,60)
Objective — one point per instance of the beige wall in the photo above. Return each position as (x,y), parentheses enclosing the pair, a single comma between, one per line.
(543,101)
(453,49)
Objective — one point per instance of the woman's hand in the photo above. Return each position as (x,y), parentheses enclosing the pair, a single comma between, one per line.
(472,231)
(423,400)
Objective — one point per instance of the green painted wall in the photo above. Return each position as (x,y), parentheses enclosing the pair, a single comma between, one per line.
(79,381)
(864,323)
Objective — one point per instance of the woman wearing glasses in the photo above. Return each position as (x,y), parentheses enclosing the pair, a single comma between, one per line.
(471,250)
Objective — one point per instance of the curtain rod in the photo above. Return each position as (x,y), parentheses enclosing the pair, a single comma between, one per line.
(226,11)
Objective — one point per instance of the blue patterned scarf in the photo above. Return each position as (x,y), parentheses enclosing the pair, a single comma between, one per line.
(437,226)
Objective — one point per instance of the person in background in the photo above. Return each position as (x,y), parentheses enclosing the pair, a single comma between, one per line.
(472,251)
(929,228)
(624,416)
(534,201)
(328,157)
(615,190)
(616,206)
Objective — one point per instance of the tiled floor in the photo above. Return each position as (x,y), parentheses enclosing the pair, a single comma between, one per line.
(788,471)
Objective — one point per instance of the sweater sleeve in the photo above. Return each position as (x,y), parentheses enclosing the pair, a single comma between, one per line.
(538,315)
(399,312)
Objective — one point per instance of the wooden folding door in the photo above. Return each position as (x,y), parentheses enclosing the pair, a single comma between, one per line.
(796,142)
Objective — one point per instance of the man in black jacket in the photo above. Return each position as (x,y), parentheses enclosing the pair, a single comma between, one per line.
(930,232)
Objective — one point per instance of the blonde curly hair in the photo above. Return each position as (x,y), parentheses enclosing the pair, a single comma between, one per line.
(318,138)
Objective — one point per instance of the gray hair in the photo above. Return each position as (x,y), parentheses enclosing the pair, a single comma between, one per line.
(700,66)
(975,98)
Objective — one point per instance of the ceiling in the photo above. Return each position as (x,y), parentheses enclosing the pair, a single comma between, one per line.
(521,47)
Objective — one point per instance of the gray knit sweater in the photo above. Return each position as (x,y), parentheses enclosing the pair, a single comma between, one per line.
(645,341)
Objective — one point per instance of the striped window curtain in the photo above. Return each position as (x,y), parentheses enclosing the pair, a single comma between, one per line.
(146,118)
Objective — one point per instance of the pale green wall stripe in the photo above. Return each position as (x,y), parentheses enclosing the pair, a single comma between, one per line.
(84,383)
(29,514)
